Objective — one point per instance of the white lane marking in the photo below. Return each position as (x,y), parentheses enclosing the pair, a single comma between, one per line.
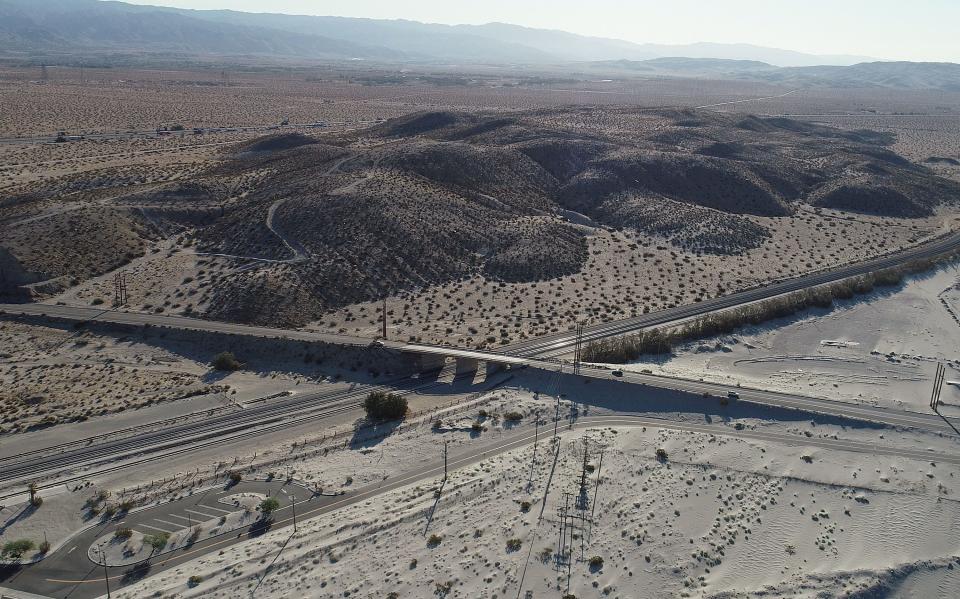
(210,507)
(71,549)
(187,518)
(154,527)
(201,513)
(177,525)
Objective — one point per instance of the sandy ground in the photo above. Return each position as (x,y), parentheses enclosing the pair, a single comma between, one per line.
(880,349)
(718,516)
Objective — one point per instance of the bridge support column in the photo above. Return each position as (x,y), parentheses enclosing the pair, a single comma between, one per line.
(430,362)
(467,366)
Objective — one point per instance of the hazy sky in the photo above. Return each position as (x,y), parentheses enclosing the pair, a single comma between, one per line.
(888,29)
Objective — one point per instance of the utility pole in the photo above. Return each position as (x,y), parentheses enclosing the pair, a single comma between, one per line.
(383,333)
(596,492)
(293,503)
(445,461)
(556,418)
(578,348)
(103,560)
(937,386)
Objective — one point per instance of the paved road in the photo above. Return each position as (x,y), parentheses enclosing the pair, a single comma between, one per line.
(107,453)
(68,572)
(562,343)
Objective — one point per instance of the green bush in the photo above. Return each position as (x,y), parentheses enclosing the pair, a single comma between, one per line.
(194,580)
(596,562)
(513,544)
(123,533)
(44,547)
(513,416)
(380,405)
(226,361)
(16,549)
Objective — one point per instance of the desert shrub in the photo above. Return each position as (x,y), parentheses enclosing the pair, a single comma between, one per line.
(513,544)
(380,405)
(123,533)
(434,540)
(595,562)
(44,547)
(476,427)
(194,580)
(97,301)
(226,361)
(524,506)
(268,506)
(513,416)
(16,549)
(235,477)
(661,454)
(127,504)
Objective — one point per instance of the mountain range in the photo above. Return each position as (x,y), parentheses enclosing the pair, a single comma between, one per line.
(74,25)
(52,30)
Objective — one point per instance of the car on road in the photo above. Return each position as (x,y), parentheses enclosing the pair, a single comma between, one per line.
(375,344)
(617,372)
(733,395)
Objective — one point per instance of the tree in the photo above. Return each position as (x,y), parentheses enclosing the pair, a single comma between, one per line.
(35,500)
(158,541)
(226,361)
(268,506)
(380,405)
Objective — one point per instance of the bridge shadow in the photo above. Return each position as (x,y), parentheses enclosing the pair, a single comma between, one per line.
(644,400)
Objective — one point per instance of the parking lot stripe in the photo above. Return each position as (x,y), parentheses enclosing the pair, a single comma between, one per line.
(202,513)
(210,507)
(153,527)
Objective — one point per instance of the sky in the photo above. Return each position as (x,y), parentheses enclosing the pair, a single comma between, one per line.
(922,30)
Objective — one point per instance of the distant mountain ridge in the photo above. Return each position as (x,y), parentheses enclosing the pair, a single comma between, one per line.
(59,27)
(63,25)
(944,76)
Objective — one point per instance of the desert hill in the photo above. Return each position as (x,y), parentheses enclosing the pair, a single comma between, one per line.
(438,197)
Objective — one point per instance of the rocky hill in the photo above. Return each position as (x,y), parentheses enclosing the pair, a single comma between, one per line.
(438,197)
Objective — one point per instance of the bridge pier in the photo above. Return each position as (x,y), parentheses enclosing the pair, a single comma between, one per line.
(430,362)
(467,366)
